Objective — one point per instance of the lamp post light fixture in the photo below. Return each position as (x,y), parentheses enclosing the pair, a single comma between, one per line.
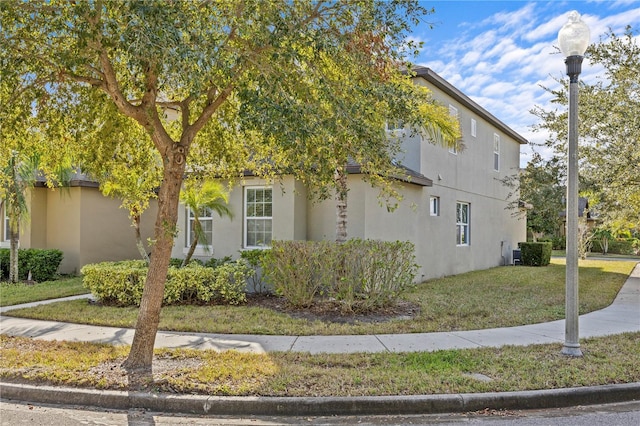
(573,39)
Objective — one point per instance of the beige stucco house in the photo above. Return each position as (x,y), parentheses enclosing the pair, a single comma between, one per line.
(454,208)
(81,222)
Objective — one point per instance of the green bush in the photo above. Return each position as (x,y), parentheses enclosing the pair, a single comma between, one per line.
(360,274)
(176,262)
(559,243)
(214,263)
(372,274)
(536,254)
(294,267)
(116,283)
(623,246)
(43,263)
(256,282)
(616,246)
(122,283)
(231,281)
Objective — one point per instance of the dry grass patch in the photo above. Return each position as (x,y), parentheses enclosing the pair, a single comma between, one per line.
(606,360)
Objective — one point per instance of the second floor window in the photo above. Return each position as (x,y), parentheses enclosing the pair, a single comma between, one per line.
(496,152)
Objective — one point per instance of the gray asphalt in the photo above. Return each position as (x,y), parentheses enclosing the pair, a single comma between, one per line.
(622,316)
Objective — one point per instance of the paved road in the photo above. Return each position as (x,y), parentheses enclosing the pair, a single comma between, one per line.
(627,414)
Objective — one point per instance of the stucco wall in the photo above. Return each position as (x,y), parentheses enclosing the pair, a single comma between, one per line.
(85,225)
(106,233)
(289,219)
(63,225)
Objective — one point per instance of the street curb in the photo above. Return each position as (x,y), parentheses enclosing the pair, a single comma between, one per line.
(314,406)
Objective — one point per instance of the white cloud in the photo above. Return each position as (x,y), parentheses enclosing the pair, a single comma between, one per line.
(502,61)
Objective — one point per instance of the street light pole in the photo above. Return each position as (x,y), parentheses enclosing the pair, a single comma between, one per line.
(573,39)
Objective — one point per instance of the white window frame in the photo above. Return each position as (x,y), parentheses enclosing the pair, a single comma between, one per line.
(474,127)
(496,152)
(247,218)
(207,216)
(453,111)
(5,228)
(395,125)
(463,224)
(434,206)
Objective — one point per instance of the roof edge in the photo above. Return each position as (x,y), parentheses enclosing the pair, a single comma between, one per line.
(442,84)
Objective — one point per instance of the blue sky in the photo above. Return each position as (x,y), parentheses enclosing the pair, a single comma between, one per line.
(499,53)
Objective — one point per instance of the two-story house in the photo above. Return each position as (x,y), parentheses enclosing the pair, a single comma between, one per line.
(454,206)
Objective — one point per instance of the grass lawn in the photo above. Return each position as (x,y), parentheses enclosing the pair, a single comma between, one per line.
(606,360)
(15,294)
(498,297)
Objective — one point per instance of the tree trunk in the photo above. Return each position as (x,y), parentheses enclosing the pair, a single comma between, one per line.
(14,238)
(192,247)
(341,205)
(139,243)
(141,355)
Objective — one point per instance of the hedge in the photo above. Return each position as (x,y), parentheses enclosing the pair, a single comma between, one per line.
(536,254)
(43,263)
(617,246)
(121,283)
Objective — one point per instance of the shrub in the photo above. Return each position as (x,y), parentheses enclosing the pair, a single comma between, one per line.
(623,246)
(536,254)
(559,243)
(293,268)
(617,246)
(361,274)
(43,263)
(176,262)
(122,283)
(256,282)
(118,283)
(214,263)
(231,281)
(372,274)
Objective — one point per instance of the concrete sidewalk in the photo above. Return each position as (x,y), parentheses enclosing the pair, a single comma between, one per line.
(623,315)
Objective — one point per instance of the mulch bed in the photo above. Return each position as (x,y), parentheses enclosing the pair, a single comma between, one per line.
(335,312)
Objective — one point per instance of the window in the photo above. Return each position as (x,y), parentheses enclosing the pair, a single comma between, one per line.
(462,224)
(474,127)
(453,111)
(395,125)
(205,217)
(6,234)
(434,206)
(257,216)
(496,152)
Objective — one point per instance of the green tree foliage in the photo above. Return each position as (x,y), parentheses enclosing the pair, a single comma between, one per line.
(609,128)
(255,84)
(541,186)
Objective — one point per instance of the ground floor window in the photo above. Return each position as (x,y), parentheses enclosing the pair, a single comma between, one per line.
(463,212)
(6,235)
(258,219)
(205,217)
